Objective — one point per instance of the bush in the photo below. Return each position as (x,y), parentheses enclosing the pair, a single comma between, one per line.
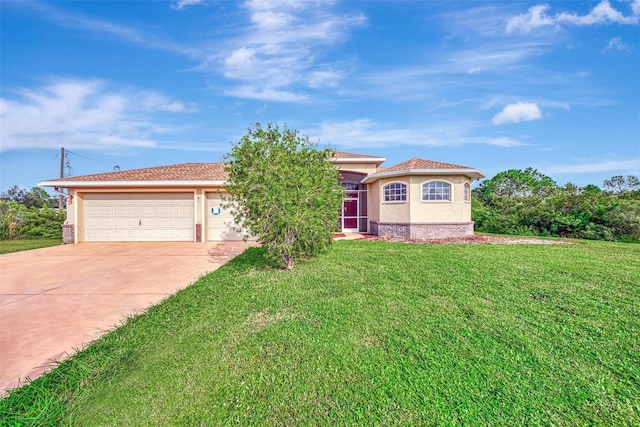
(19,222)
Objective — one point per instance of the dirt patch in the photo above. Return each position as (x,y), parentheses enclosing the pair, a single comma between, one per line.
(474,240)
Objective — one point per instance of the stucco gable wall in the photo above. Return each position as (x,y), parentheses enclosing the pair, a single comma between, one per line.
(456,210)
(417,211)
(394,211)
(365,168)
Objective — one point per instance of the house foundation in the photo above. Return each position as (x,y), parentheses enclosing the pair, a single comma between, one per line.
(421,231)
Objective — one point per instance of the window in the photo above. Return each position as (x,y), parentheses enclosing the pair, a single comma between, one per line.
(436,190)
(350,186)
(467,192)
(395,193)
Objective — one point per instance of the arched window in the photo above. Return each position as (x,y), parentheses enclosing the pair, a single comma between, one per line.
(436,191)
(396,192)
(467,192)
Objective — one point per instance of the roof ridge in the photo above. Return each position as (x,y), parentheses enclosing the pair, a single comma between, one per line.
(188,171)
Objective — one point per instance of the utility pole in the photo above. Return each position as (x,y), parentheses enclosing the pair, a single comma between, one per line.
(60,196)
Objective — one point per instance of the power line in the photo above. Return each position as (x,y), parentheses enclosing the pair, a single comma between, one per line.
(88,158)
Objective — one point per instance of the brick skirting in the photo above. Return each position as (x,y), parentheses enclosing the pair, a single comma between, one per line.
(421,230)
(68,233)
(198,232)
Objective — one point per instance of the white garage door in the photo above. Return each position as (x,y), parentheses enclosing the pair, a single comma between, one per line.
(220,223)
(139,217)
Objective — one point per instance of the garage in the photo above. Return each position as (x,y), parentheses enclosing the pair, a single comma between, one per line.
(110,217)
(220,222)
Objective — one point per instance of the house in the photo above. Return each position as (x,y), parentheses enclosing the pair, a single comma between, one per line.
(419,199)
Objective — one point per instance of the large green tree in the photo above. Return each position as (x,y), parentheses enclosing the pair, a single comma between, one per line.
(516,183)
(620,185)
(284,192)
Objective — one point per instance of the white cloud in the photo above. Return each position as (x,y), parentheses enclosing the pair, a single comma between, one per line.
(504,141)
(278,52)
(181,4)
(266,94)
(365,133)
(324,78)
(519,112)
(79,21)
(602,13)
(241,64)
(533,19)
(616,44)
(83,114)
(604,166)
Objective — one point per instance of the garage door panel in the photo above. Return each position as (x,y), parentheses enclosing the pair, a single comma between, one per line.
(106,222)
(134,210)
(105,210)
(139,216)
(148,211)
(220,222)
(129,235)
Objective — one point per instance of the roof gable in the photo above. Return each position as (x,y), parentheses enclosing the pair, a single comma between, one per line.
(423,167)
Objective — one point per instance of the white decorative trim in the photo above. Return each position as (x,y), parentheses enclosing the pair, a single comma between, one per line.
(472,173)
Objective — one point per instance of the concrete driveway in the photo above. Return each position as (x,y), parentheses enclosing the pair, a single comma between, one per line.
(57,299)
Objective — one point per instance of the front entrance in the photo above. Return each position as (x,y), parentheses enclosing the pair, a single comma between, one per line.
(353,218)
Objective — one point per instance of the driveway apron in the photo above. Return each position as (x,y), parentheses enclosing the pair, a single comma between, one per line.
(55,300)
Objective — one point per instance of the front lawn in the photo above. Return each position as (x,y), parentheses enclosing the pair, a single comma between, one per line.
(8,246)
(371,333)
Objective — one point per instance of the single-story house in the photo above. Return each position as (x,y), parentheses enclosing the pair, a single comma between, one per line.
(419,199)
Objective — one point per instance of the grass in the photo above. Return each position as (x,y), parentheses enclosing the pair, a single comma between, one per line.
(8,246)
(370,333)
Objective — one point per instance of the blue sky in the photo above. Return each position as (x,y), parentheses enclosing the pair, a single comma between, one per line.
(491,85)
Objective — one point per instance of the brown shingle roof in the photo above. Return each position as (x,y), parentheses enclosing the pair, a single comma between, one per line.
(180,172)
(416,163)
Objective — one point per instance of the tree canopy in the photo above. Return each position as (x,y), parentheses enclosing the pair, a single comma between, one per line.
(517,183)
(283,191)
(621,185)
(529,203)
(36,197)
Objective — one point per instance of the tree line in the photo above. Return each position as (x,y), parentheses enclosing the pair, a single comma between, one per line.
(29,215)
(527,202)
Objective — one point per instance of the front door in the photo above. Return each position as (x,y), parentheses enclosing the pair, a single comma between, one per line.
(353,217)
(350,209)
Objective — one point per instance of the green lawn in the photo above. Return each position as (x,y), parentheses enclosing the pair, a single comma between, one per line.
(8,246)
(371,333)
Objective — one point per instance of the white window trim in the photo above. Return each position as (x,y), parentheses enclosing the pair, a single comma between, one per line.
(451,187)
(394,202)
(464,192)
